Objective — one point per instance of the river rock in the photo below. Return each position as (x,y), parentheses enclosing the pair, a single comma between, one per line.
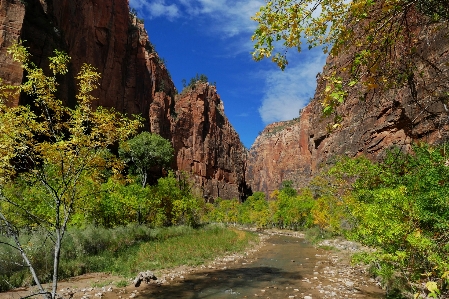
(144,276)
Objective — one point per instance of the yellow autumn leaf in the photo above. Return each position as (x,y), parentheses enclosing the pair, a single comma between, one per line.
(432,287)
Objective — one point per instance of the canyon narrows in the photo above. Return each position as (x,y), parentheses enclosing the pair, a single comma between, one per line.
(135,81)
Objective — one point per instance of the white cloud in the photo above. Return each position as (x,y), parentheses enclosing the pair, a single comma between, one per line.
(287,92)
(227,17)
(234,17)
(155,8)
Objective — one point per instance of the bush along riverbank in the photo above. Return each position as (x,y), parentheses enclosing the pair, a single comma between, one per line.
(124,250)
(399,207)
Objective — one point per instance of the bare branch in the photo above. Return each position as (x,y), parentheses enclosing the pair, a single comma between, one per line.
(10,245)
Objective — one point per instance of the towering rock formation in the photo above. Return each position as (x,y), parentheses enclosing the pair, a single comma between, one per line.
(104,34)
(134,81)
(206,143)
(372,121)
(281,152)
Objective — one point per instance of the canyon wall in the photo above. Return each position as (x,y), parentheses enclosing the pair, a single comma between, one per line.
(133,80)
(371,122)
(207,145)
(11,21)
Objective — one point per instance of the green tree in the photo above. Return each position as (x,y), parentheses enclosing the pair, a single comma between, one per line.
(194,80)
(50,149)
(287,188)
(399,206)
(379,40)
(144,152)
(172,203)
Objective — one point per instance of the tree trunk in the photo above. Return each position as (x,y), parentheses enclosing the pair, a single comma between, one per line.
(56,262)
(24,256)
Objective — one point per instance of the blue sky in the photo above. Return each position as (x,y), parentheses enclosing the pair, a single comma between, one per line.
(213,37)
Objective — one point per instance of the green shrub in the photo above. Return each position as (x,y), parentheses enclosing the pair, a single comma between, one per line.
(193,81)
(292,209)
(399,206)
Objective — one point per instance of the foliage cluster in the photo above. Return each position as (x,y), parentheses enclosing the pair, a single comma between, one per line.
(169,202)
(112,203)
(399,206)
(379,40)
(286,209)
(144,152)
(193,81)
(59,168)
(52,153)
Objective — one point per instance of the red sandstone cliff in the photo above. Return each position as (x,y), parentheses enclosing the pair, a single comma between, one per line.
(295,150)
(206,143)
(134,81)
(280,153)
(11,20)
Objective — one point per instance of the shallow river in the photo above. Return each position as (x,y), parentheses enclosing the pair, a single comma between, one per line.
(285,267)
(281,267)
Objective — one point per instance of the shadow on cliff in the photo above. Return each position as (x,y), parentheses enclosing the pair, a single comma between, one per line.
(223,283)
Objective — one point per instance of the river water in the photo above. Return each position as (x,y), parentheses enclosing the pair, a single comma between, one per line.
(284,267)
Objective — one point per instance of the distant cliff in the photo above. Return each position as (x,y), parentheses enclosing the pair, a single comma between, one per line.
(134,81)
(371,122)
(281,152)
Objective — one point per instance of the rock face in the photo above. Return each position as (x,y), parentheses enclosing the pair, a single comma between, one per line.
(281,152)
(11,20)
(295,150)
(104,34)
(206,143)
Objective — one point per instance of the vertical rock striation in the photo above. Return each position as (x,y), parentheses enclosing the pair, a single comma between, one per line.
(11,21)
(206,143)
(133,80)
(281,152)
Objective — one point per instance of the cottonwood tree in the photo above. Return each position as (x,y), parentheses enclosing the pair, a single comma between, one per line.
(382,44)
(51,148)
(142,153)
(145,151)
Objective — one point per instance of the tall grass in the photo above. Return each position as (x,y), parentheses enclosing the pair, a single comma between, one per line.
(121,250)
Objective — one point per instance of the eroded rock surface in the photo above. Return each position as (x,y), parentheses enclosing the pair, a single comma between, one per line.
(371,122)
(280,153)
(206,143)
(11,20)
(133,80)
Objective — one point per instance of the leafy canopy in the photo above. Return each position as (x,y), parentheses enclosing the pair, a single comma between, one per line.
(48,151)
(193,81)
(378,40)
(145,151)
